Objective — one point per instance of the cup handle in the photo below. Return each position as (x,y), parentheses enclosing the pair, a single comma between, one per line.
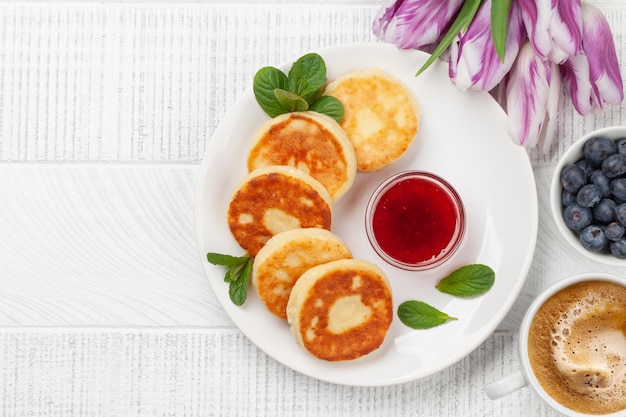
(506,385)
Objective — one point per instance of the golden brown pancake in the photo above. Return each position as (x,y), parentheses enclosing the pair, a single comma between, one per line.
(381,116)
(273,199)
(286,256)
(341,310)
(311,142)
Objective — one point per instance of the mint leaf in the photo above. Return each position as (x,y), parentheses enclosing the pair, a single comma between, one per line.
(461,22)
(468,281)
(419,315)
(290,102)
(499,24)
(330,106)
(231,275)
(225,260)
(300,90)
(266,80)
(237,275)
(307,76)
(238,290)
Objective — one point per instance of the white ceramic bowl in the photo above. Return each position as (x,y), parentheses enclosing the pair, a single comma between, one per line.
(573,154)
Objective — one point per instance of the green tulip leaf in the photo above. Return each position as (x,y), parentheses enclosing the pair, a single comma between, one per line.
(499,23)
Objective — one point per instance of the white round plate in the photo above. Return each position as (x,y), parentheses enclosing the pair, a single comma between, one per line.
(463,138)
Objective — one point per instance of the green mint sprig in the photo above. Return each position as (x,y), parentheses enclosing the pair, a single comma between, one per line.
(299,90)
(237,274)
(467,281)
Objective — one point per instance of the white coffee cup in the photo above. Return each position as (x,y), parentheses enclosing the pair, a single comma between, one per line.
(525,375)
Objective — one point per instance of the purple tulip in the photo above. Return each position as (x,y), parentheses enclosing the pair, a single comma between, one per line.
(575,73)
(527,92)
(552,109)
(474,62)
(549,43)
(593,78)
(554,27)
(604,70)
(416,24)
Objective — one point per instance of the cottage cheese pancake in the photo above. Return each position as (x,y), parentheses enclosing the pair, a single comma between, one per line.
(311,142)
(381,116)
(341,310)
(286,256)
(273,199)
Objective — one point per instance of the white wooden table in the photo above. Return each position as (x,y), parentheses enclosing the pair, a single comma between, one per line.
(106,110)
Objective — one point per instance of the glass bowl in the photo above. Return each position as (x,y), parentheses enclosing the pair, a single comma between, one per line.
(415,220)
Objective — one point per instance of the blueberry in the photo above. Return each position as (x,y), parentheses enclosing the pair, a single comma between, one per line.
(620,214)
(618,249)
(572,178)
(589,195)
(618,188)
(585,166)
(614,231)
(593,239)
(577,217)
(614,165)
(597,177)
(604,211)
(567,198)
(621,146)
(598,148)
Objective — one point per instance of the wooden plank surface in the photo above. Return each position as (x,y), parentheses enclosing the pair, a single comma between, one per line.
(215,372)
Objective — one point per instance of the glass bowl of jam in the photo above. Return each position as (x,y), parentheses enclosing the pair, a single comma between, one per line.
(415,220)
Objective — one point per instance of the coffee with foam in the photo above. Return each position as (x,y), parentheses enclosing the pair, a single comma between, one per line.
(573,347)
(577,347)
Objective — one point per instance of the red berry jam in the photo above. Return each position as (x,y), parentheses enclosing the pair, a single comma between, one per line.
(415,220)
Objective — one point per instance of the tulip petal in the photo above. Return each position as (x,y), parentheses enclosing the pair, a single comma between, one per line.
(566,29)
(536,16)
(385,22)
(474,62)
(554,27)
(528,85)
(604,70)
(414,24)
(552,110)
(575,73)
(593,78)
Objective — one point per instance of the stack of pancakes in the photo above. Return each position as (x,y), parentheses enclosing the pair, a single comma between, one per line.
(299,165)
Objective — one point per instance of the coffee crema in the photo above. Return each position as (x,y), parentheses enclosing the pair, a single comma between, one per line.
(577,347)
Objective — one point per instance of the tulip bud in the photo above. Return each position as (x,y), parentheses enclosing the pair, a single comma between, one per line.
(593,77)
(546,137)
(554,27)
(528,85)
(575,73)
(416,24)
(474,62)
(604,71)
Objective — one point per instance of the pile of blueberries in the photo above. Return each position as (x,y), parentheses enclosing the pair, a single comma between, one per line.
(594,196)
